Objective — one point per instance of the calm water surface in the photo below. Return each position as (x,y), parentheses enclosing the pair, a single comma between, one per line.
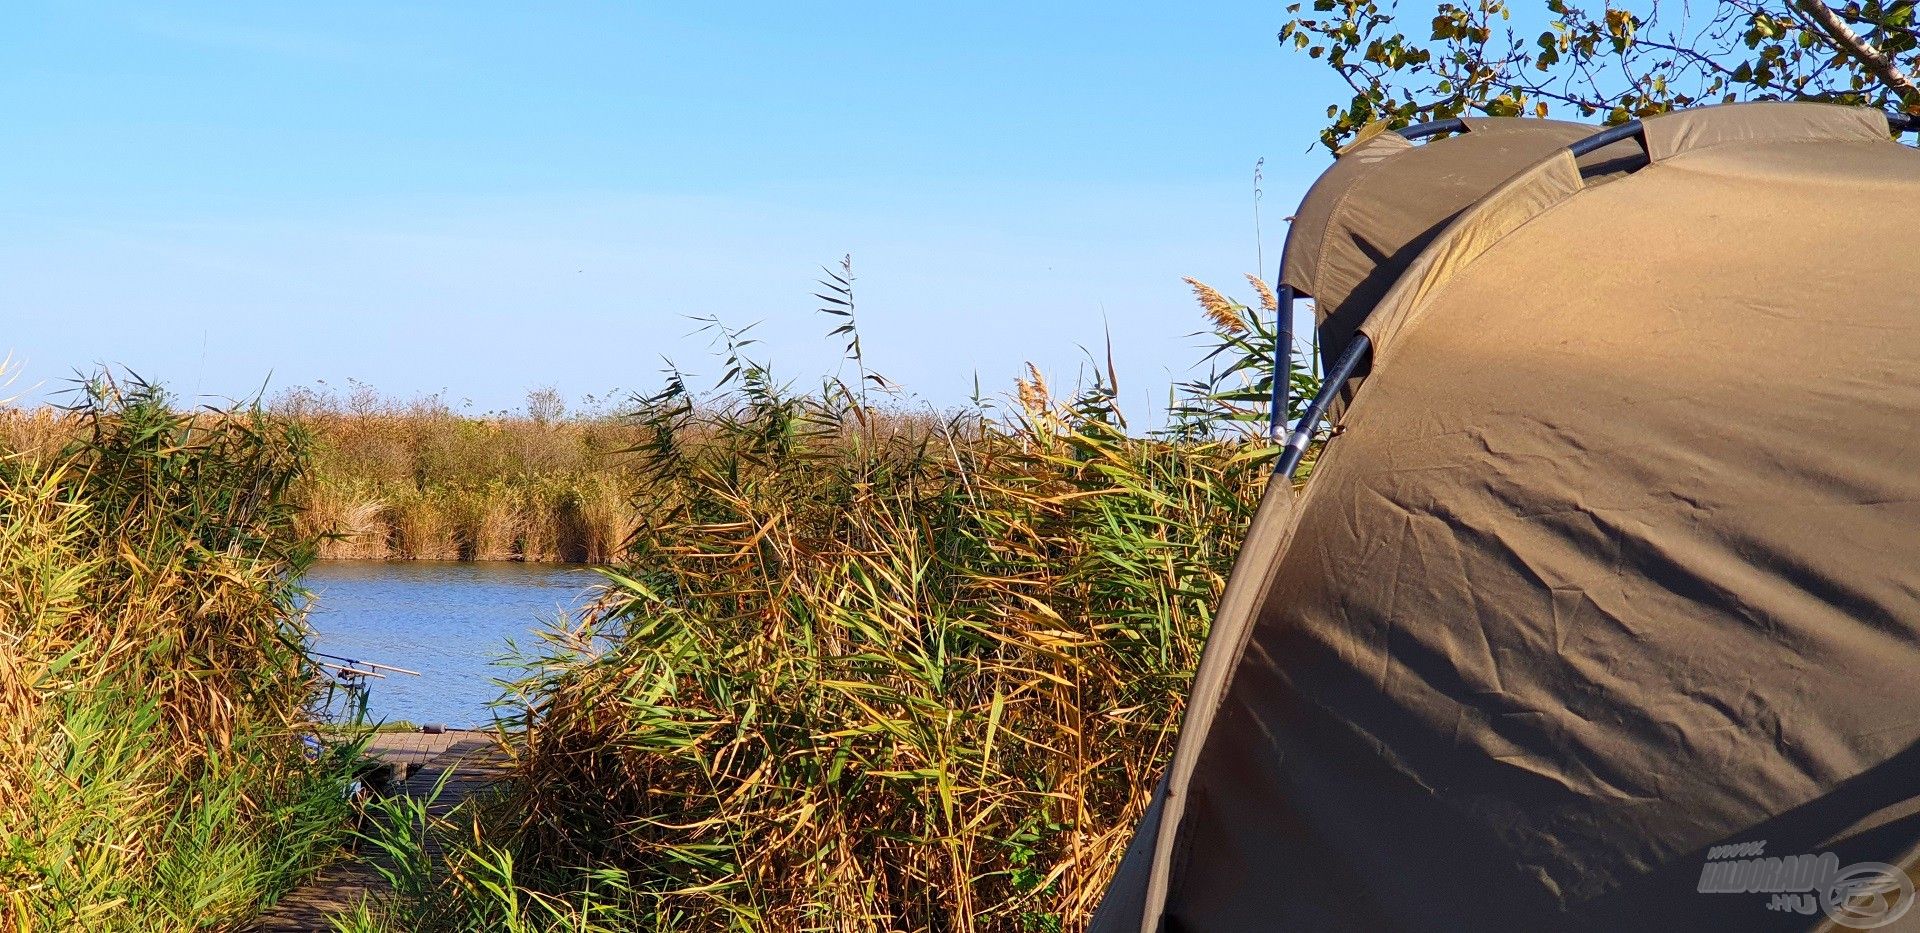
(449,621)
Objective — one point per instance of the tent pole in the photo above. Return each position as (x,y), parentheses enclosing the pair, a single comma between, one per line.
(1357,352)
(1282,361)
(1419,130)
(1606,137)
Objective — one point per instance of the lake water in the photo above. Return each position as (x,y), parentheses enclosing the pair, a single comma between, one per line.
(449,621)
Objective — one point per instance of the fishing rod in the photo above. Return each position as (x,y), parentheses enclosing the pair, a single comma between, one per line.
(350,662)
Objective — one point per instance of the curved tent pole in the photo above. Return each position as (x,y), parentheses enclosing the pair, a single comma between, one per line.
(1606,137)
(1423,130)
(1285,295)
(1343,369)
(1361,348)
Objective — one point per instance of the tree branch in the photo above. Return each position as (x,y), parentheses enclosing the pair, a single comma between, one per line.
(1849,42)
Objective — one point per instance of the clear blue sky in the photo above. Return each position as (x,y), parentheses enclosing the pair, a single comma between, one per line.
(484,197)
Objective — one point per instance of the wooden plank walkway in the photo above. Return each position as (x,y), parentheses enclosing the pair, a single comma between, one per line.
(476,762)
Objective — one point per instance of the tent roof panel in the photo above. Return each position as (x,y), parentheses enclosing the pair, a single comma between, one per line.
(1671,134)
(1379,204)
(1760,129)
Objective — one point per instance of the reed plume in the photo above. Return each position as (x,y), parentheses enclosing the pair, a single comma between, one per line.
(1268,300)
(1224,313)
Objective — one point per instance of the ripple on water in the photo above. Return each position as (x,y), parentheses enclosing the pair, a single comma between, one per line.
(449,621)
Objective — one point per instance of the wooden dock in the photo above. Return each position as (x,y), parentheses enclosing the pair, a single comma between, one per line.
(476,762)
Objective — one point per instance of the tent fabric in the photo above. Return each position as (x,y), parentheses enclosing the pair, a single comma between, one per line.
(1380,202)
(1670,134)
(1612,562)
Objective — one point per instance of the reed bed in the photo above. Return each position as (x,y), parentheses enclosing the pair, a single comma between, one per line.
(152,674)
(417,480)
(859,677)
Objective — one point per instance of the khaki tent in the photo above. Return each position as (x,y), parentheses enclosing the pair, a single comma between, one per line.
(1613,559)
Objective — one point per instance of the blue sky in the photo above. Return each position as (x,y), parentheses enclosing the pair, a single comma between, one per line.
(484,197)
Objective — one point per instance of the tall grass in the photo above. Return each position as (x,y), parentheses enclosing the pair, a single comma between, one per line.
(418,480)
(152,674)
(864,672)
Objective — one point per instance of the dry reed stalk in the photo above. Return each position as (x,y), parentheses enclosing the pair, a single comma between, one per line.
(540,525)
(490,522)
(425,527)
(605,521)
(36,433)
(349,521)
